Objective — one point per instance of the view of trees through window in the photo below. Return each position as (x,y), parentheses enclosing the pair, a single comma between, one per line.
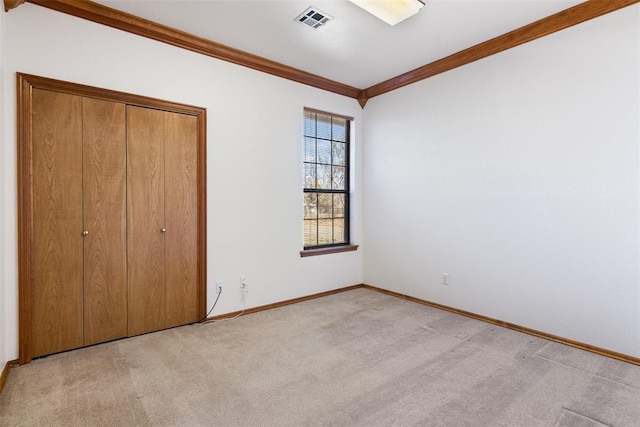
(326,180)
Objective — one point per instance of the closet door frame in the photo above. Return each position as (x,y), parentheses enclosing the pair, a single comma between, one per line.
(25,85)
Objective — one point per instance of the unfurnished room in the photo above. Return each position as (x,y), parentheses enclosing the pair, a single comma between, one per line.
(332,212)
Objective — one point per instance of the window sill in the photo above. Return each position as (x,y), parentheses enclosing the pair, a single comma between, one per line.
(330,250)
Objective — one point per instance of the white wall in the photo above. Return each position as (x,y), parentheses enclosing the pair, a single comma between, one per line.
(5,229)
(253,154)
(517,175)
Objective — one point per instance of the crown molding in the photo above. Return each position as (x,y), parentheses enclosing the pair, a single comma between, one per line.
(133,24)
(114,18)
(567,18)
(11,4)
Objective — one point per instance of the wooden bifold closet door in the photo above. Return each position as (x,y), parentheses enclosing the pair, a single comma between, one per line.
(57,231)
(79,242)
(104,211)
(111,215)
(162,221)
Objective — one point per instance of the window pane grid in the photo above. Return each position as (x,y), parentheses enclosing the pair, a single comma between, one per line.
(325,180)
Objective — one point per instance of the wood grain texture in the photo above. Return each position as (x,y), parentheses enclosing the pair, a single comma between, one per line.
(26,84)
(123,21)
(57,290)
(145,219)
(181,218)
(202,214)
(25,220)
(543,27)
(104,200)
(109,95)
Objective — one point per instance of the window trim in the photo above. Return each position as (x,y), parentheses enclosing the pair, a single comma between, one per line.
(344,246)
(327,113)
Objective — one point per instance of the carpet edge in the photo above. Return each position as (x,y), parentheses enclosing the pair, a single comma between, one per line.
(282,303)
(529,331)
(5,372)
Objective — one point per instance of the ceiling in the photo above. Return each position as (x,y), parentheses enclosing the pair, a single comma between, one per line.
(355,48)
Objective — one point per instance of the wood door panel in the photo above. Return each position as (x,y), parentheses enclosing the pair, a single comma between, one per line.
(57,287)
(145,219)
(73,175)
(105,251)
(181,239)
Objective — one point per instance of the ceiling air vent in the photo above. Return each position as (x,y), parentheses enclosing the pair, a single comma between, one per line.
(314,17)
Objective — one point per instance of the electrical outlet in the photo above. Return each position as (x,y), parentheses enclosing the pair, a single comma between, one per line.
(243,284)
(445,278)
(218,287)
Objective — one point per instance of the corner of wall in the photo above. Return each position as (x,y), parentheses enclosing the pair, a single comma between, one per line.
(4,356)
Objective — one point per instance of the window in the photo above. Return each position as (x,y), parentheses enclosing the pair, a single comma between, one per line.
(326,181)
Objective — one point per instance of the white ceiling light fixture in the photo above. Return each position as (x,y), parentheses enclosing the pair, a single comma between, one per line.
(390,11)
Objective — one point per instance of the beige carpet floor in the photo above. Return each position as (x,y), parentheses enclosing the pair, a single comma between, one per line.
(358,358)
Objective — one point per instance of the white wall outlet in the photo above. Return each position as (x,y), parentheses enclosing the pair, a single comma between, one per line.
(243,284)
(445,278)
(219,287)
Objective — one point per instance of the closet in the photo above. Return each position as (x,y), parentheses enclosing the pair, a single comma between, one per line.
(161,221)
(112,215)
